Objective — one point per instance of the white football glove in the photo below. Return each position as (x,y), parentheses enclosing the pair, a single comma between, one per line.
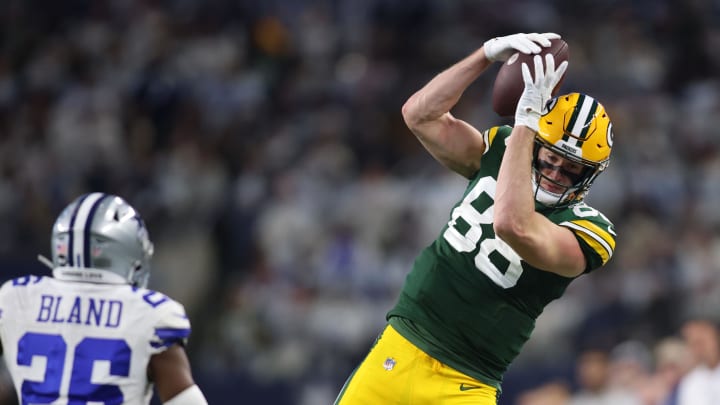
(501,48)
(538,90)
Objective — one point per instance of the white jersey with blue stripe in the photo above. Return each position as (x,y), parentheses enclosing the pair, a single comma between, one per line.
(68,343)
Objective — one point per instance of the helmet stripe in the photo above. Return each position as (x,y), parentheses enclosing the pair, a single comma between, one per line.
(585,114)
(77,229)
(71,243)
(88,226)
(589,117)
(573,118)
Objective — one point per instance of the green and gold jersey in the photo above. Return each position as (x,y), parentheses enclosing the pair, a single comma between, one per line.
(470,301)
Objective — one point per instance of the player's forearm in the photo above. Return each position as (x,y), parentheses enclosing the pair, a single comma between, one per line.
(190,396)
(514,202)
(439,95)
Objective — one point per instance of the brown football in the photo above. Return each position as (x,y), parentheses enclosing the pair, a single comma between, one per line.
(509,83)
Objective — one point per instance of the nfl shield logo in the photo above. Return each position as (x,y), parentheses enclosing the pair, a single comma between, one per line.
(389,364)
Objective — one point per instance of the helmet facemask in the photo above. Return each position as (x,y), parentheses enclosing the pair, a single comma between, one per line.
(575,190)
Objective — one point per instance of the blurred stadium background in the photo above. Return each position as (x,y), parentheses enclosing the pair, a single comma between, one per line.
(263,143)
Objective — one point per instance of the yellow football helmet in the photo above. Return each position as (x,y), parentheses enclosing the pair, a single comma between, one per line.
(576,127)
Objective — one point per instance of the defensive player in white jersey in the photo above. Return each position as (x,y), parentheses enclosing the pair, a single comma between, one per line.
(92,333)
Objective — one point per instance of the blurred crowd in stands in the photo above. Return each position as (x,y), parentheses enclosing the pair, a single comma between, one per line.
(263,143)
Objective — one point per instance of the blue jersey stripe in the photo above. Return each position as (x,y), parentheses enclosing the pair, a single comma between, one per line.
(167,333)
(170,336)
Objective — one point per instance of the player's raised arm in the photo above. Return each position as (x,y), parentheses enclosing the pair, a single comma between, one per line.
(452,141)
(536,239)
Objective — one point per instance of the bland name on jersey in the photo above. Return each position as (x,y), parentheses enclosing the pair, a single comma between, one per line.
(80,310)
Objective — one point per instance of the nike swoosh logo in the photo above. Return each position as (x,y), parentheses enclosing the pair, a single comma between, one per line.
(464,387)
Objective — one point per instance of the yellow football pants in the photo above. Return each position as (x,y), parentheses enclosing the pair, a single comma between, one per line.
(397,372)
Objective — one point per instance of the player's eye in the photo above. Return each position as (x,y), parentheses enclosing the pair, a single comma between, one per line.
(572,167)
(574,177)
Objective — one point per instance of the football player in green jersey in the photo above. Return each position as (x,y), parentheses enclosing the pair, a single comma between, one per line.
(518,236)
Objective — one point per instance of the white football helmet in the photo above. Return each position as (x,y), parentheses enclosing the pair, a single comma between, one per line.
(101,238)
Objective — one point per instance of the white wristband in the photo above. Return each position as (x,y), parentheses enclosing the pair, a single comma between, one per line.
(190,396)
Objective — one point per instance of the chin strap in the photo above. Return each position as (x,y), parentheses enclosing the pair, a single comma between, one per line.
(190,396)
(44,260)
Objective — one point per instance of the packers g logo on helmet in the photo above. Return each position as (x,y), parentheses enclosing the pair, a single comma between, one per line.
(577,127)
